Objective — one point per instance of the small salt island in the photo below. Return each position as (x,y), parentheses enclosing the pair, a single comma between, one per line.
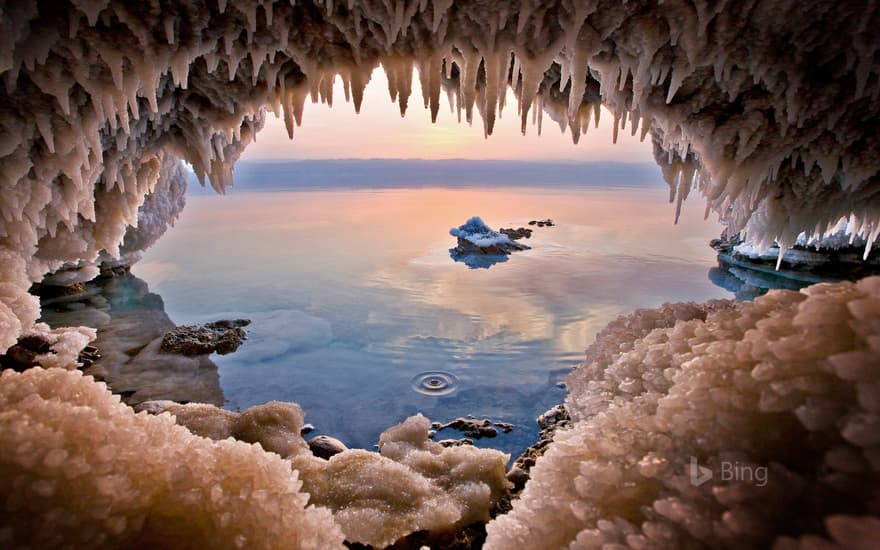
(479,246)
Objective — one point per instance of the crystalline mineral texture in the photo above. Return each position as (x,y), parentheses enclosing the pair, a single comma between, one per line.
(769,109)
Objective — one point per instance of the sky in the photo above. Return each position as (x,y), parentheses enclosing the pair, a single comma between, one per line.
(380,132)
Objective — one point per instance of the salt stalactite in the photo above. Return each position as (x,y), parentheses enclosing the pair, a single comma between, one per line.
(770,109)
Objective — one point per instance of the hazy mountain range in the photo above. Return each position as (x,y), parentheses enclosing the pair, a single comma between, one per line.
(274,175)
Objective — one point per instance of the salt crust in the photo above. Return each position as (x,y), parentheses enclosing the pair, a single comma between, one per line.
(79,469)
(769,108)
(411,484)
(790,382)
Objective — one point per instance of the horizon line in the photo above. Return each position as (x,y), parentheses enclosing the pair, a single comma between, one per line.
(451,159)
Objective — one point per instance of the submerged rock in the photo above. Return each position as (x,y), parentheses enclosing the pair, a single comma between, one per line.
(550,421)
(222,337)
(82,470)
(840,256)
(131,323)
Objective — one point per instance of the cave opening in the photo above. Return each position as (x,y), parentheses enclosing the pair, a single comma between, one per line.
(674,405)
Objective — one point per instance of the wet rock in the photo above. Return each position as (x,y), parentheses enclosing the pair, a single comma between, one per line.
(23,354)
(155,406)
(505,426)
(516,234)
(324,446)
(222,337)
(542,223)
(456,442)
(474,428)
(518,477)
(56,291)
(306,429)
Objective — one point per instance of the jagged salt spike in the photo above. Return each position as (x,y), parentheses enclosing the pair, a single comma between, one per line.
(44,125)
(169,28)
(404,83)
(440,9)
(872,236)
(468,81)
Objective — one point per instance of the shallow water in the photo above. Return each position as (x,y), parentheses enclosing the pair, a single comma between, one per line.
(361,316)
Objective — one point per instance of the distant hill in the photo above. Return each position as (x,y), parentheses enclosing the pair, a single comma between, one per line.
(272,175)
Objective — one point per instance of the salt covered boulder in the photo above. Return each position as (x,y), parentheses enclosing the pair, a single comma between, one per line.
(274,425)
(80,469)
(480,246)
(475,237)
(412,484)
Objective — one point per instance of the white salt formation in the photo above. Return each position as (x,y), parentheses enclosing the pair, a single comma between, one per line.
(412,484)
(275,426)
(769,108)
(80,469)
(723,425)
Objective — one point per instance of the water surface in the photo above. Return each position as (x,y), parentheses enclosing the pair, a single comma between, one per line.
(355,299)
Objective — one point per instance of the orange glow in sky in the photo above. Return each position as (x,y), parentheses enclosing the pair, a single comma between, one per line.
(380,132)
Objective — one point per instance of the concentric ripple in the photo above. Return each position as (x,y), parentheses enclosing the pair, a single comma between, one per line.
(435,382)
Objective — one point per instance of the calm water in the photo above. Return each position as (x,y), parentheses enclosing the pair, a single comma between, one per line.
(353,296)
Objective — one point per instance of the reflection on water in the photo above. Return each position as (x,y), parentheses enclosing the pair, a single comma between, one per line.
(131,321)
(353,296)
(477,261)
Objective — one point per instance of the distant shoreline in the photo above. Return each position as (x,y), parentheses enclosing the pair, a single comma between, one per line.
(282,175)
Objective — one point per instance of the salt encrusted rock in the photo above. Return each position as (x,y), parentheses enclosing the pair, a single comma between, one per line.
(82,470)
(553,419)
(222,337)
(516,234)
(716,425)
(324,446)
(475,237)
(412,484)
(274,425)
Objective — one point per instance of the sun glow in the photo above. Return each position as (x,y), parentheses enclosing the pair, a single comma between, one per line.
(379,131)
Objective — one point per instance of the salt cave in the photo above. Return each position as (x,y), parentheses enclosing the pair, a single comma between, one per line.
(768,108)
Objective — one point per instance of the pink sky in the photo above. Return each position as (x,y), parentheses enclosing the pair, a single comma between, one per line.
(380,132)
